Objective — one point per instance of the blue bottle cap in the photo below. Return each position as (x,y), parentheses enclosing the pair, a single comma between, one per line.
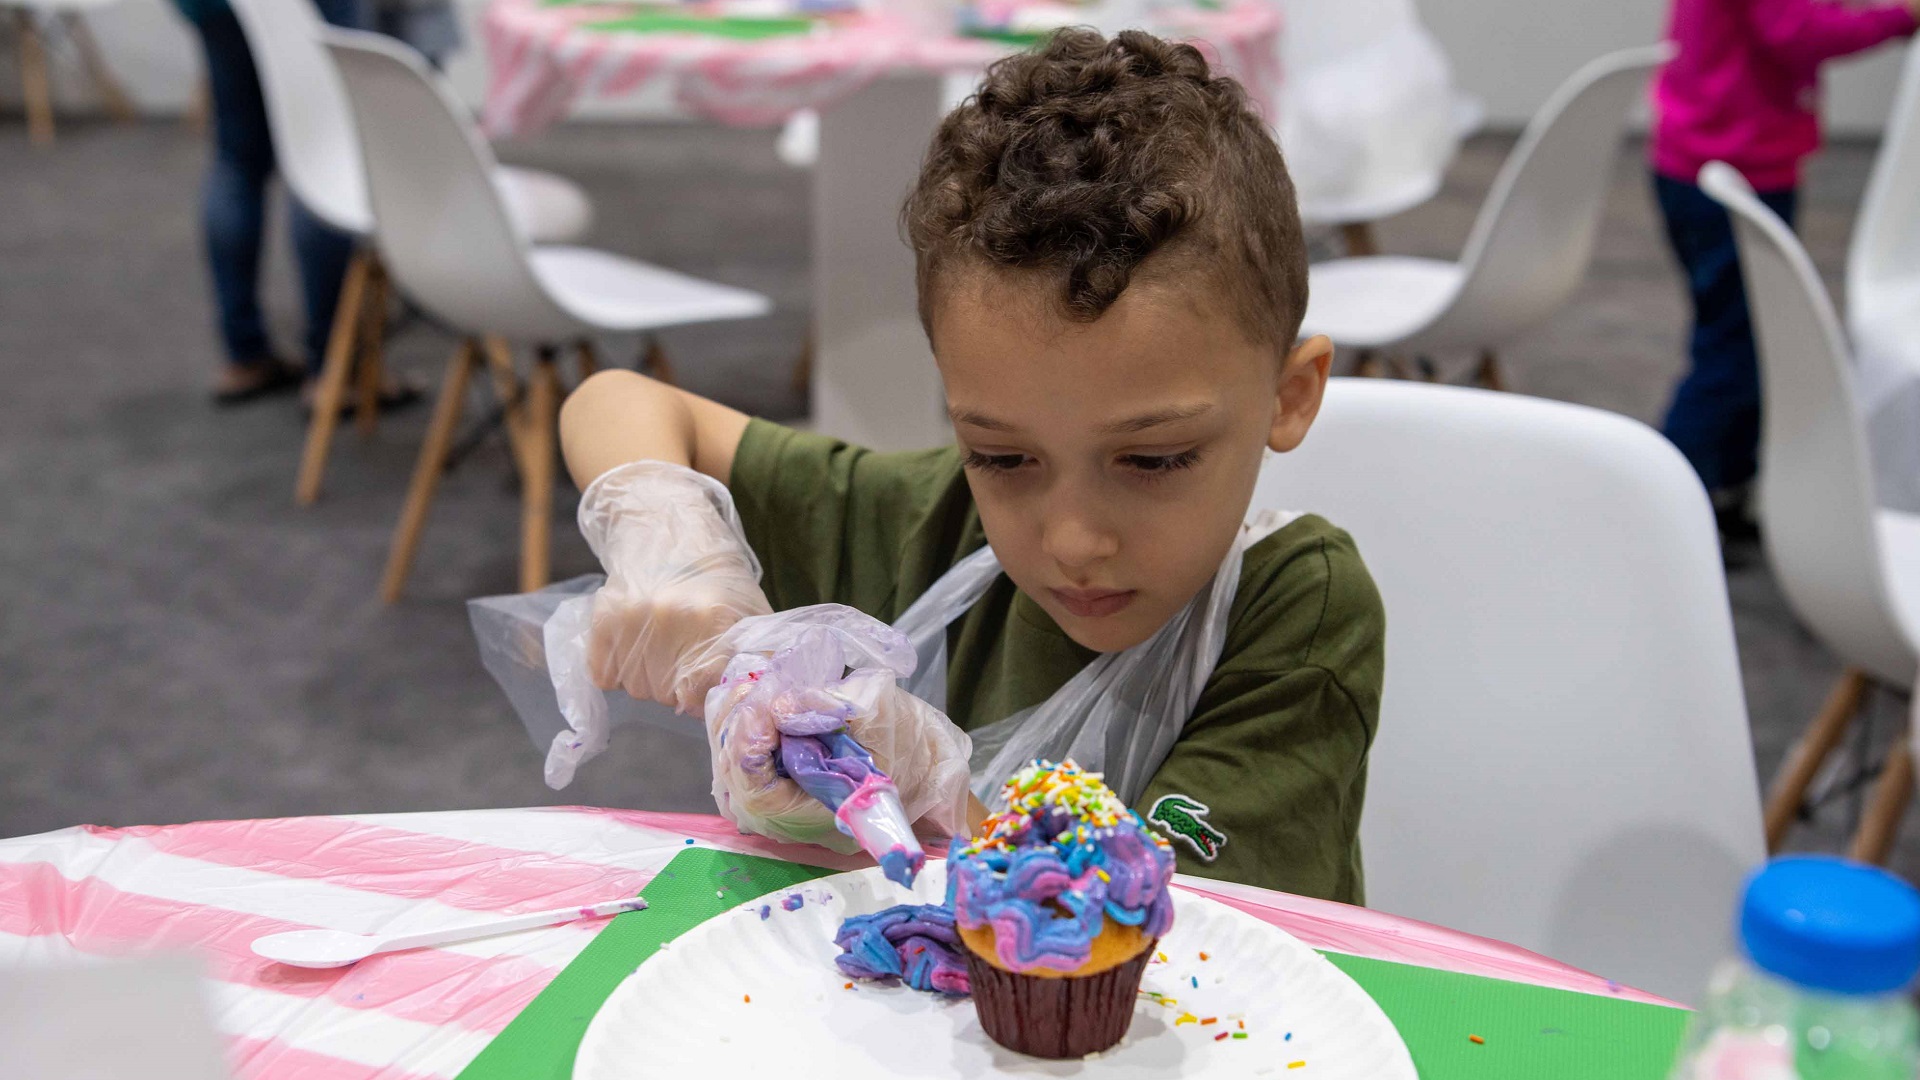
(1828,924)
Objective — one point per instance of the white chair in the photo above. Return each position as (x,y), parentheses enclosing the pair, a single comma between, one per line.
(1563,760)
(1850,569)
(1529,247)
(1883,300)
(36,86)
(319,157)
(1368,117)
(448,240)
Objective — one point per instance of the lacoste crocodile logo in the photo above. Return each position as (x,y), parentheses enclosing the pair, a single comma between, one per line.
(1184,817)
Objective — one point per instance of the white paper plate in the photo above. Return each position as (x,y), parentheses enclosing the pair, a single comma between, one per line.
(683,1013)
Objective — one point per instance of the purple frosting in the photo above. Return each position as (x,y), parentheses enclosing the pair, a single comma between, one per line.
(828,765)
(915,943)
(1047,894)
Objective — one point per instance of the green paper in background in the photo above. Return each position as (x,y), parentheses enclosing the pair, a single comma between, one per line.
(1008,37)
(739,28)
(1530,1032)
(541,1042)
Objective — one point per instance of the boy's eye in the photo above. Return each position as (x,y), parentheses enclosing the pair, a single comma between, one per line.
(1160,463)
(995,462)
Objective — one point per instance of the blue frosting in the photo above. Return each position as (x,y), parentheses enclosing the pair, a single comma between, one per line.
(915,943)
(1047,894)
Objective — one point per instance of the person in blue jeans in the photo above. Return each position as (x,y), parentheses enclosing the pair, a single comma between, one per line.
(234,207)
(1715,415)
(1743,87)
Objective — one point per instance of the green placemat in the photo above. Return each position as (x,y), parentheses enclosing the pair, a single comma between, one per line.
(1527,1032)
(741,28)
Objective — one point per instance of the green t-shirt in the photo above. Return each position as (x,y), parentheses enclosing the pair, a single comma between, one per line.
(1269,772)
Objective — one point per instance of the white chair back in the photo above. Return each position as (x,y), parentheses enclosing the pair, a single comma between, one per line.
(443,229)
(1535,234)
(1885,249)
(1816,492)
(313,137)
(1563,759)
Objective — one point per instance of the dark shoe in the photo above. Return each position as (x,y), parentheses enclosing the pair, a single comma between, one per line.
(392,399)
(251,382)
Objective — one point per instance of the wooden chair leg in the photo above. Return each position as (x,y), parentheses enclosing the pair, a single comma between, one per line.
(803,366)
(333,380)
(1489,371)
(199,115)
(112,95)
(373,334)
(36,89)
(427,470)
(513,398)
(1880,823)
(1357,237)
(654,362)
(536,489)
(1804,760)
(589,358)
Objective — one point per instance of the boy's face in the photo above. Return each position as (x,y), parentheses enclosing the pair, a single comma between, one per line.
(1113,461)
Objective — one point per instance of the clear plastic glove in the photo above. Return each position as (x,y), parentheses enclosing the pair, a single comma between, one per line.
(790,676)
(679,576)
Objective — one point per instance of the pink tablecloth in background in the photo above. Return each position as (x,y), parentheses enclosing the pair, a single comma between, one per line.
(212,887)
(542,60)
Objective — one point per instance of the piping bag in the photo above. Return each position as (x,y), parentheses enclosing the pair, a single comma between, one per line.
(812,671)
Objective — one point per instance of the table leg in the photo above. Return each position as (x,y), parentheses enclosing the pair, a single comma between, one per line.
(874,382)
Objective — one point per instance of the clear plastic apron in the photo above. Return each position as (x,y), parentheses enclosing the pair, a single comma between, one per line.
(1122,713)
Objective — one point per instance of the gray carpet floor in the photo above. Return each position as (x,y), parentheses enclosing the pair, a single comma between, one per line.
(178,641)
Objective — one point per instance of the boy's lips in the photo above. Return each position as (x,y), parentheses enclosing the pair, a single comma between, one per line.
(1093,603)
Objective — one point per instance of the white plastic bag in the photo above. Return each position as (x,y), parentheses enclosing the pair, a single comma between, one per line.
(1122,713)
(534,646)
(1366,115)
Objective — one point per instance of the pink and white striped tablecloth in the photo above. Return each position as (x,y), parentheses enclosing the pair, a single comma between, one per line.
(212,887)
(543,59)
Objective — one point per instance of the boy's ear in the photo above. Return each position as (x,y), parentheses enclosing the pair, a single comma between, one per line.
(1303,381)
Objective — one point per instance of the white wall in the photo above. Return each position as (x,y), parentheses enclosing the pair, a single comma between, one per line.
(1514,52)
(1510,52)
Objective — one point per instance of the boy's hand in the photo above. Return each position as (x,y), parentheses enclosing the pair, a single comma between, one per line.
(679,575)
(921,750)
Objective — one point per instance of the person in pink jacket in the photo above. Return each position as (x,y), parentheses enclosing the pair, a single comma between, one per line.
(1744,89)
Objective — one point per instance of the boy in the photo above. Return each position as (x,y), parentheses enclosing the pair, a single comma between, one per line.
(1112,275)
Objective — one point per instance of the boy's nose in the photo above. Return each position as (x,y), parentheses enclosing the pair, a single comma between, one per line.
(1075,542)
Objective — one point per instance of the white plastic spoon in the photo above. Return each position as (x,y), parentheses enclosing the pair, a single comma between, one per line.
(337,948)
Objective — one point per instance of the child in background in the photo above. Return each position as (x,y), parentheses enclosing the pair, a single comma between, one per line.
(1744,89)
(1112,275)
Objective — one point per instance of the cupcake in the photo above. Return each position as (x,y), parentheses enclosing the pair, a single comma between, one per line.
(1059,904)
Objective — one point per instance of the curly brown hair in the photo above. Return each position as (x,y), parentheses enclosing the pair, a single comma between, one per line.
(1085,157)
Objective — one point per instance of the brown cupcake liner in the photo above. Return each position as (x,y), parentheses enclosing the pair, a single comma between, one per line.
(1056,1018)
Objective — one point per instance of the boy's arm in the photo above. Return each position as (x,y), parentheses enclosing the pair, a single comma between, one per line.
(617,417)
(1806,33)
(679,575)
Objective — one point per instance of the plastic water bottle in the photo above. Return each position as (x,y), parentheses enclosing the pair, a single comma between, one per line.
(1820,992)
